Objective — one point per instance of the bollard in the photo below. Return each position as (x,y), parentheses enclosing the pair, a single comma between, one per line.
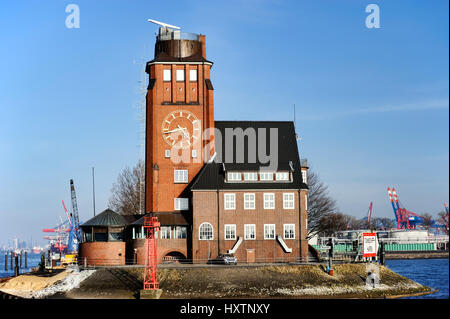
(26,259)
(330,257)
(6,261)
(16,267)
(383,255)
(11,264)
(20,258)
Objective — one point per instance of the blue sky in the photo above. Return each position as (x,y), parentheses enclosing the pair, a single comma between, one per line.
(372,104)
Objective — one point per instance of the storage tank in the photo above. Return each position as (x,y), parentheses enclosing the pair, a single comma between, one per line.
(409,235)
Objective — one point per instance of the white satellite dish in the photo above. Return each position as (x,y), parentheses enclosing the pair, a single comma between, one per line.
(164,25)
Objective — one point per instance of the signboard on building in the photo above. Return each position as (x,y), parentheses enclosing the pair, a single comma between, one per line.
(370,245)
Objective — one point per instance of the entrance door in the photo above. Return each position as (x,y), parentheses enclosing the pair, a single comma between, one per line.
(250,255)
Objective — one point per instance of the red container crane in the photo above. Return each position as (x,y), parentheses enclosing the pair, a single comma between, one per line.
(405,218)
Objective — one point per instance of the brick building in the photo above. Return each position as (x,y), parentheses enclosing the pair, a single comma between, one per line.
(103,239)
(207,201)
(216,186)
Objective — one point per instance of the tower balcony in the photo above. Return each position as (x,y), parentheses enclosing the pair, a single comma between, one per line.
(177,44)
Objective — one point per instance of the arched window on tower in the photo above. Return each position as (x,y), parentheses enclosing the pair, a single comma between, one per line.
(205,231)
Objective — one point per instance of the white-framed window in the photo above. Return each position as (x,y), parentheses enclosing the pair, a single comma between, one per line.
(193,75)
(167,75)
(249,200)
(266,176)
(269,201)
(167,153)
(180,175)
(234,176)
(194,153)
(230,201)
(288,200)
(269,231)
(181,203)
(250,176)
(165,232)
(230,232)
(306,202)
(180,75)
(289,231)
(180,232)
(305,176)
(282,176)
(205,232)
(249,231)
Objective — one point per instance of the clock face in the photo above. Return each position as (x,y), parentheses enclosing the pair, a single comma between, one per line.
(181,129)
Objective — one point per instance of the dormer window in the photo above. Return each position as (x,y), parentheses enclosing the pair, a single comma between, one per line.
(282,176)
(250,176)
(304,177)
(266,176)
(234,176)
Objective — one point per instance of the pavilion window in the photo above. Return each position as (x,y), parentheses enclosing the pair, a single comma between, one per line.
(100,234)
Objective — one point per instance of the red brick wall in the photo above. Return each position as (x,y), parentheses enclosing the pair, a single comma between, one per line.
(164,246)
(304,227)
(102,253)
(162,99)
(205,205)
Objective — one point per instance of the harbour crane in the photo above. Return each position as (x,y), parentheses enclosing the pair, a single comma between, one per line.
(446,216)
(68,234)
(405,218)
(76,219)
(391,199)
(72,242)
(59,240)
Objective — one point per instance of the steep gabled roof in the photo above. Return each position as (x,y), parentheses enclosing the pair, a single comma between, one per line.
(212,175)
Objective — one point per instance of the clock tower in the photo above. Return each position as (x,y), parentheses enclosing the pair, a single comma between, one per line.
(179,119)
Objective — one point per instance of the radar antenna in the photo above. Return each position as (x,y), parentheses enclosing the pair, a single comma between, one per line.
(163,25)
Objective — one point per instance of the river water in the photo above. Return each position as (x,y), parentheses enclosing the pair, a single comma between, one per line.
(33,261)
(432,273)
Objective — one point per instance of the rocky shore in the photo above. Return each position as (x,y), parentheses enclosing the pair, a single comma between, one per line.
(270,281)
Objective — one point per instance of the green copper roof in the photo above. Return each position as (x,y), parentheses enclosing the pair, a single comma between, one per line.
(106,218)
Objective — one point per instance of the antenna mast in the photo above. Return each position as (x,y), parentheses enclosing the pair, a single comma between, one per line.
(295,128)
(142,116)
(142,126)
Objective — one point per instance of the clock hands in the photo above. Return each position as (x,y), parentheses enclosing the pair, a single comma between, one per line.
(186,135)
(182,129)
(175,130)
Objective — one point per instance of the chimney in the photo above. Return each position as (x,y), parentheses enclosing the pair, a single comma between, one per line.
(202,39)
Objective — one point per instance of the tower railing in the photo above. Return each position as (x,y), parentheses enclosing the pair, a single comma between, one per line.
(176,35)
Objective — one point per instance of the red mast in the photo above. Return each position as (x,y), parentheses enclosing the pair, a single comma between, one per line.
(151,272)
